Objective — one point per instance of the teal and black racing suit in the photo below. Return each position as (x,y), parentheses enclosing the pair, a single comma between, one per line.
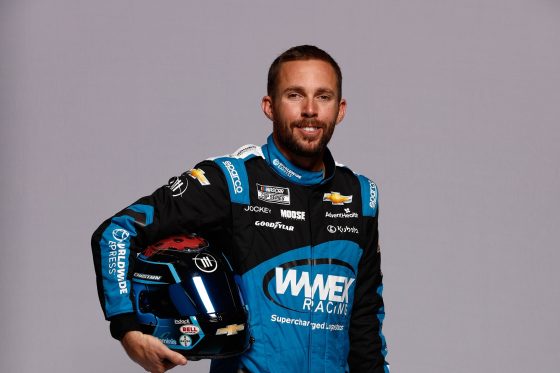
(305,245)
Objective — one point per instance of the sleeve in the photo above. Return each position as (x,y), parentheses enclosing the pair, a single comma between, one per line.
(368,348)
(197,201)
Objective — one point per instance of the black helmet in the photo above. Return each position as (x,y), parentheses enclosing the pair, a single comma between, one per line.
(186,295)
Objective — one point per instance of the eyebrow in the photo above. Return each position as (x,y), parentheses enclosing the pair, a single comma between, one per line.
(300,89)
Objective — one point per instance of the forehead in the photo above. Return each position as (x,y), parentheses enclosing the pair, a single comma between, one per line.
(307,73)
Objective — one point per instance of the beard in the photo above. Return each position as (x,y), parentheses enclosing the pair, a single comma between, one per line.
(302,148)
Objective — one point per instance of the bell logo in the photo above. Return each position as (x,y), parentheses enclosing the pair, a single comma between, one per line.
(336,198)
(189,329)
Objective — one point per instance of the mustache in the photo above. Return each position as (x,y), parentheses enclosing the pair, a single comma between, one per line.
(309,123)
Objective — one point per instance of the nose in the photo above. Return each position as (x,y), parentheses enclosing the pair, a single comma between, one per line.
(309,109)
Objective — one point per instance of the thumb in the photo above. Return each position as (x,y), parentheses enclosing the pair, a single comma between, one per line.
(175,357)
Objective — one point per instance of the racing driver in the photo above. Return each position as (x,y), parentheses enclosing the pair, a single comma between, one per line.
(299,230)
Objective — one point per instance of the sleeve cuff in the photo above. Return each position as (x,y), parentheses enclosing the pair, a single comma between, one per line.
(120,324)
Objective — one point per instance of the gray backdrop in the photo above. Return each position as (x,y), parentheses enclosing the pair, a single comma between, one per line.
(453,109)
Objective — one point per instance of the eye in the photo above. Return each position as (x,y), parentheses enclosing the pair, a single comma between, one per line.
(324,97)
(293,95)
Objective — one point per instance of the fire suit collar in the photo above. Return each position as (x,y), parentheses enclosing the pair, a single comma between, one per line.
(289,171)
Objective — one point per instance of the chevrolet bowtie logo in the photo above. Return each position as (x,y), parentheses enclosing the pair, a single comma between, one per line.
(197,173)
(336,198)
(230,329)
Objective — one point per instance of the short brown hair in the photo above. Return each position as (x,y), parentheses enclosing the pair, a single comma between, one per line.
(302,53)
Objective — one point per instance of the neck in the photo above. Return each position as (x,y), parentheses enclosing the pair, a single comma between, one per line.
(309,163)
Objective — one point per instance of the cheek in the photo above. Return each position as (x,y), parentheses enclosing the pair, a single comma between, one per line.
(330,114)
(287,113)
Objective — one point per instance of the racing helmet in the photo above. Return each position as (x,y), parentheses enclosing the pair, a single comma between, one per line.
(186,295)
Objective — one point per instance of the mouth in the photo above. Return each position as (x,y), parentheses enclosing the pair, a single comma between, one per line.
(309,129)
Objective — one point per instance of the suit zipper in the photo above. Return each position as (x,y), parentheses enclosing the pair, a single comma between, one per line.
(309,353)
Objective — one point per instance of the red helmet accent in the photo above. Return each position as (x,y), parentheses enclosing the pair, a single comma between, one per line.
(179,242)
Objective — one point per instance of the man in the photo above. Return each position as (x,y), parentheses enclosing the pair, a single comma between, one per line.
(300,230)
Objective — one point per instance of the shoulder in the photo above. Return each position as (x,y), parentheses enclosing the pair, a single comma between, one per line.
(368,189)
(244,153)
(233,167)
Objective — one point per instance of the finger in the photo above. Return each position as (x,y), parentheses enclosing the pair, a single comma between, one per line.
(175,358)
(168,364)
(156,368)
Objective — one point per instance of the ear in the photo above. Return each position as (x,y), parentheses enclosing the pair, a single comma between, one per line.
(266,106)
(341,111)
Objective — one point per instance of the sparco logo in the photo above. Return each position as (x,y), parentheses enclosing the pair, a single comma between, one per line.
(372,194)
(290,214)
(292,288)
(284,169)
(345,229)
(205,262)
(274,225)
(235,180)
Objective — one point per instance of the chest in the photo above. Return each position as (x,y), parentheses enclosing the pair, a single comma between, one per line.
(283,216)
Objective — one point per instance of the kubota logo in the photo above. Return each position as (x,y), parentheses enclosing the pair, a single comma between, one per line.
(336,198)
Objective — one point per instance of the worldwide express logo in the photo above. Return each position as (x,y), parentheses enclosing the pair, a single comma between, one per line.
(327,289)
